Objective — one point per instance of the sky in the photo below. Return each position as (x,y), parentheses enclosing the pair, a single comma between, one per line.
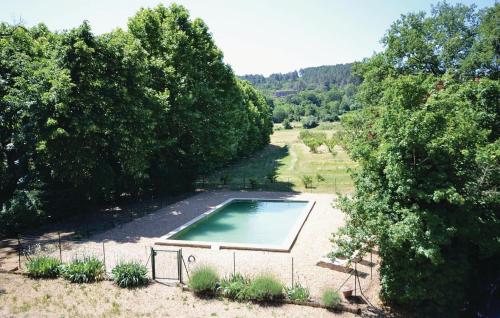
(256,36)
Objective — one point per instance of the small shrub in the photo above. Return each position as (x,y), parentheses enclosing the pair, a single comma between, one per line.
(253,183)
(330,298)
(85,270)
(287,124)
(130,274)
(298,293)
(313,140)
(307,181)
(309,122)
(204,280)
(320,178)
(43,267)
(235,287)
(265,287)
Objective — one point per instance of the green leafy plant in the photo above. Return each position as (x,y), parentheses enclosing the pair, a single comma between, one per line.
(203,280)
(84,270)
(330,144)
(253,183)
(265,287)
(287,124)
(130,274)
(43,267)
(235,287)
(320,178)
(313,140)
(309,122)
(272,176)
(330,298)
(298,293)
(307,181)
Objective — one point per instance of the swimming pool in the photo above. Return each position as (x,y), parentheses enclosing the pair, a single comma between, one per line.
(257,224)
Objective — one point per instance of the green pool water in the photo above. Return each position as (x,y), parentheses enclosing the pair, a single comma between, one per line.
(248,222)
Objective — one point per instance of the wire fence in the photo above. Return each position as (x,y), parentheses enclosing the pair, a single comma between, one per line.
(264,184)
(175,265)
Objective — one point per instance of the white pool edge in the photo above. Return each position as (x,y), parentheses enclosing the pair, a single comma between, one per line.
(286,247)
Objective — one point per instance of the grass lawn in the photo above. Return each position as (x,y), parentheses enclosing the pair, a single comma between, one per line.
(291,159)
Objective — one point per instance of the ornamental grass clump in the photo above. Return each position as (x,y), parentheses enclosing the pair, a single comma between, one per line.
(298,293)
(130,274)
(265,287)
(84,270)
(235,287)
(203,280)
(330,298)
(43,267)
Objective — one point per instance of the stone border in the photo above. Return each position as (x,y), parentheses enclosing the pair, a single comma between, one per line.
(290,240)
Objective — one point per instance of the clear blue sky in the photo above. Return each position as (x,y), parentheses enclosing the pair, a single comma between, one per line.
(256,36)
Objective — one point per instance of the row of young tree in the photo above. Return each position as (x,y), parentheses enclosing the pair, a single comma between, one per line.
(427,143)
(85,119)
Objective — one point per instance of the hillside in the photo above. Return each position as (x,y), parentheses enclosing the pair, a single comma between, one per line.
(310,95)
(310,78)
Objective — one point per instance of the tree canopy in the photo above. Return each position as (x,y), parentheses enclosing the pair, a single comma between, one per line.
(426,138)
(85,119)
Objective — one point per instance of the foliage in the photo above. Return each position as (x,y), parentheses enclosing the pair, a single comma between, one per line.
(309,122)
(265,287)
(84,270)
(235,287)
(319,178)
(330,298)
(130,274)
(225,179)
(298,293)
(86,118)
(203,280)
(287,124)
(272,176)
(313,140)
(318,77)
(307,181)
(427,144)
(43,267)
(253,183)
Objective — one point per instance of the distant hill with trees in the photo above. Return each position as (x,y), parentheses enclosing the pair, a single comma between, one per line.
(312,94)
(310,78)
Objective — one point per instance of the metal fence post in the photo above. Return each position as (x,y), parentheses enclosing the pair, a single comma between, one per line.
(60,249)
(104,255)
(234,263)
(371,264)
(153,263)
(355,276)
(179,264)
(19,251)
(292,272)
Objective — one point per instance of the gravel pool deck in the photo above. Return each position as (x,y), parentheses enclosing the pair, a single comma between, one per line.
(133,240)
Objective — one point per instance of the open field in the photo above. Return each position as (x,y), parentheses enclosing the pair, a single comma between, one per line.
(290,159)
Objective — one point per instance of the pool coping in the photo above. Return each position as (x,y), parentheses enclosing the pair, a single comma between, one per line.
(289,242)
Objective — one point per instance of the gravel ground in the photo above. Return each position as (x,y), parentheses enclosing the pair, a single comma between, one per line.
(24,297)
(133,240)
